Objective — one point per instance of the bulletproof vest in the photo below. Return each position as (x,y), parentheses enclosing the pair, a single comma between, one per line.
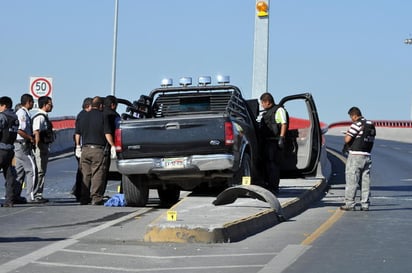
(47,135)
(9,133)
(364,142)
(269,119)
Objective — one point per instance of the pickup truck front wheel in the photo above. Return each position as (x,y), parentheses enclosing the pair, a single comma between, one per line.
(136,190)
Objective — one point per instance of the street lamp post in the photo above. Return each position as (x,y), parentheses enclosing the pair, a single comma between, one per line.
(408,41)
(116,8)
(261,49)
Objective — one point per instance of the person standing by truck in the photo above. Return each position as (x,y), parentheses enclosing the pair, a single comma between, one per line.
(93,135)
(273,129)
(111,118)
(86,107)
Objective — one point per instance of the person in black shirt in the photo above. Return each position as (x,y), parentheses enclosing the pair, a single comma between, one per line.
(86,107)
(94,135)
(111,118)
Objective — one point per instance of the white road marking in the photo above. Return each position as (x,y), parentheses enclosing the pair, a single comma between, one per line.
(285,258)
(57,246)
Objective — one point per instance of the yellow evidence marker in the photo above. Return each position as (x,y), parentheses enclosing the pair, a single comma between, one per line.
(171,215)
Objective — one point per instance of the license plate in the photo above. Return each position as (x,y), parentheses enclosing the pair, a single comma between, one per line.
(173,163)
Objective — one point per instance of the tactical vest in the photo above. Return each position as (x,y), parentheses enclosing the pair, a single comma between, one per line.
(9,133)
(269,119)
(364,142)
(47,135)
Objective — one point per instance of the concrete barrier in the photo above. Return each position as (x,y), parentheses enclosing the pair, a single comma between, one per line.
(387,130)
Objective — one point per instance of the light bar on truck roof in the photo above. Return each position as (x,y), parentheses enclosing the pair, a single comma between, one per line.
(166,82)
(204,80)
(223,79)
(185,81)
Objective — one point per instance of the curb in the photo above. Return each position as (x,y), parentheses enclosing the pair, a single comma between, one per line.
(297,205)
(218,230)
(230,232)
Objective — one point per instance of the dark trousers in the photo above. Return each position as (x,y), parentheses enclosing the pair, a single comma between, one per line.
(9,172)
(76,190)
(272,159)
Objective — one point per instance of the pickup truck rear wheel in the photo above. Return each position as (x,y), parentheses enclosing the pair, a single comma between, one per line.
(136,190)
(168,196)
(244,170)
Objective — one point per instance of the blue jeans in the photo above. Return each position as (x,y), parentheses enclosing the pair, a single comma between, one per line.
(357,172)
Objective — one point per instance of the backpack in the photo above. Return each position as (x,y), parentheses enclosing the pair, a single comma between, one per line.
(47,136)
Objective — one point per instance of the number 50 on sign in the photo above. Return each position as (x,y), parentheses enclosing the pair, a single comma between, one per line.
(41,86)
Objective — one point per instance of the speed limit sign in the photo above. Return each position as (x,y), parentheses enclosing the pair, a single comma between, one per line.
(41,86)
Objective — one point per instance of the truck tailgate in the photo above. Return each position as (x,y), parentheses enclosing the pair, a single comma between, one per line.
(177,136)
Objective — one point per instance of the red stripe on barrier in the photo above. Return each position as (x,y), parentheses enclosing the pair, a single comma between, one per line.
(378,123)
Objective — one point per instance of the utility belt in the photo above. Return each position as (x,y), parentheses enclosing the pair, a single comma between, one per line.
(93,146)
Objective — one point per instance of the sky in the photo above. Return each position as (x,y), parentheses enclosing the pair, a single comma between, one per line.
(345,53)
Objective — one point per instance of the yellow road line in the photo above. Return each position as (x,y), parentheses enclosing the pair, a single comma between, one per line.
(323,228)
(333,219)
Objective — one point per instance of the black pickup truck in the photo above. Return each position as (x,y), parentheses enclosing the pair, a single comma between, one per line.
(186,137)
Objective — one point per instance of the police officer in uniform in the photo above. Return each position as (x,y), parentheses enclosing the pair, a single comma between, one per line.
(25,162)
(43,136)
(9,125)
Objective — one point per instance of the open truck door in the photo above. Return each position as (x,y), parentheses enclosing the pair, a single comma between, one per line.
(304,136)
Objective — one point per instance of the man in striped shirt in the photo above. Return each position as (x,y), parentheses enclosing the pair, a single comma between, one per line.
(359,138)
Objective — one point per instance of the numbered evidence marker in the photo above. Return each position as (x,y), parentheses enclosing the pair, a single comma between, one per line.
(171,215)
(246,180)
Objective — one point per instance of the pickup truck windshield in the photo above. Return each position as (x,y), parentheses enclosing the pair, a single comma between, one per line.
(194,104)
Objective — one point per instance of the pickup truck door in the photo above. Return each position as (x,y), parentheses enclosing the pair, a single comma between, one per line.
(304,137)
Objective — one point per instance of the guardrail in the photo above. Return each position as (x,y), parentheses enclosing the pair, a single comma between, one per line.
(378,123)
(64,142)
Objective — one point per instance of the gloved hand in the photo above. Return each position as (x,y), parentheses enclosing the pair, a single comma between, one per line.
(113,152)
(78,151)
(281,142)
(345,149)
